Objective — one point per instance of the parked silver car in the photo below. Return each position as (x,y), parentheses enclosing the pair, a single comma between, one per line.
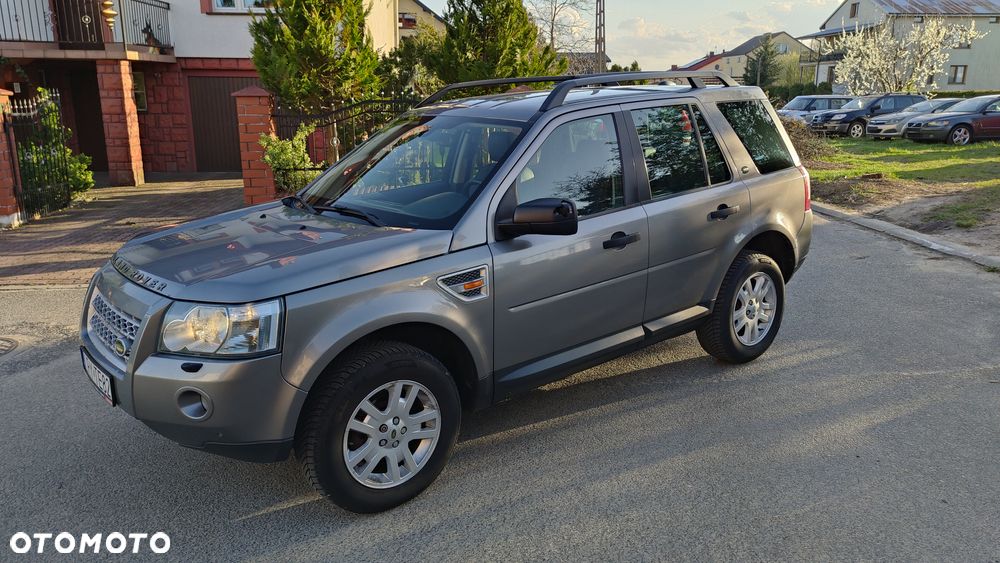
(802,108)
(893,125)
(472,250)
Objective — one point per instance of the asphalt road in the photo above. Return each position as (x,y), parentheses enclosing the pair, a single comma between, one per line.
(871,430)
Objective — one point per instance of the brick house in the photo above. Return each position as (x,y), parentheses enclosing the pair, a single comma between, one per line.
(152,92)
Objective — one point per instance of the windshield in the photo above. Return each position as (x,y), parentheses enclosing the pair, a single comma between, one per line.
(421,171)
(858,103)
(922,107)
(971,106)
(798,103)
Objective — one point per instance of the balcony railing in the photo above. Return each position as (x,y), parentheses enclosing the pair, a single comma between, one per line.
(79,24)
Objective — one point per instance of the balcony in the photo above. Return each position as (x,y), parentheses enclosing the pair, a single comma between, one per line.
(77,29)
(812,57)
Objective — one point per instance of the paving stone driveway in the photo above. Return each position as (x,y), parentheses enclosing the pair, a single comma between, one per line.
(66,247)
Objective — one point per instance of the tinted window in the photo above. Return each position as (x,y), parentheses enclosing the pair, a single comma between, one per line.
(579,161)
(820,104)
(718,170)
(759,134)
(838,103)
(670,148)
(886,104)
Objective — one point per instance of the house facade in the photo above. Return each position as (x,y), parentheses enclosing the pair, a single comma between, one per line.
(734,62)
(973,67)
(413,14)
(149,88)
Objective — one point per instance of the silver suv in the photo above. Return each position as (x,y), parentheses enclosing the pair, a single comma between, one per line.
(472,250)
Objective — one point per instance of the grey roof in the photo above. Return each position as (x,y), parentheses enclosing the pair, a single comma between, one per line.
(749,45)
(939,7)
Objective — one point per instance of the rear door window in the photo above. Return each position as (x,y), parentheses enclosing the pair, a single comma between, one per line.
(838,103)
(759,134)
(821,104)
(675,160)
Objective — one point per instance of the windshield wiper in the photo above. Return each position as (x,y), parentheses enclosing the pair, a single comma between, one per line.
(353,212)
(289,200)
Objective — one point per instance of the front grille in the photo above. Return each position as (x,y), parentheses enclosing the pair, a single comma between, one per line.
(109,324)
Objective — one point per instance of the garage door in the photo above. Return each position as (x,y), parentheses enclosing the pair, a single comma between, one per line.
(213,113)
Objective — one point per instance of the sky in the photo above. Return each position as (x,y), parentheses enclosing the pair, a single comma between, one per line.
(659,33)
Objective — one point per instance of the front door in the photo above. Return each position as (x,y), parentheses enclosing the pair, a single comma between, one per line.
(695,207)
(560,298)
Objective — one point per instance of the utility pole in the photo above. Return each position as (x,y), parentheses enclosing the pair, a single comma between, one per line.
(600,50)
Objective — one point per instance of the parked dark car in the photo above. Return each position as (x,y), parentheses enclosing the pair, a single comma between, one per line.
(852,118)
(892,125)
(975,119)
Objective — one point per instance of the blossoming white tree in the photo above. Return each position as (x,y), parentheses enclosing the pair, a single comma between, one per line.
(895,58)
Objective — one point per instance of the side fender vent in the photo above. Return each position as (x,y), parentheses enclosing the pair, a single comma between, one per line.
(468,285)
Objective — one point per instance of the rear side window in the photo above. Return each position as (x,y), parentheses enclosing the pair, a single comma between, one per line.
(718,170)
(838,103)
(759,134)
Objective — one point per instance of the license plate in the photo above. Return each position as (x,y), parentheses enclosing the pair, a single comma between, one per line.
(100,379)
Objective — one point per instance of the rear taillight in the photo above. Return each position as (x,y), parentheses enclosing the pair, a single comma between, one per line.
(807,186)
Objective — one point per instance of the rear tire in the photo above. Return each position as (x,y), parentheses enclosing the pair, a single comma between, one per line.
(359,391)
(736,332)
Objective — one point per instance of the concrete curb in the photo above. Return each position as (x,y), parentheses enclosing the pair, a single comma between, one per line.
(42,287)
(926,241)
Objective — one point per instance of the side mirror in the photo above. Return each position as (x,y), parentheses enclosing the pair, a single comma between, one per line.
(876,109)
(547,216)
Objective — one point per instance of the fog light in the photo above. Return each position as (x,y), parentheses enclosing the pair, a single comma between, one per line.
(194,403)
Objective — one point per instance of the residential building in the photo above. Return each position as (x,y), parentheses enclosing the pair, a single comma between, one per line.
(734,62)
(413,14)
(151,92)
(970,67)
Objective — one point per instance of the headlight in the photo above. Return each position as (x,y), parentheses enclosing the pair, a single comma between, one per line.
(838,117)
(221,330)
(938,123)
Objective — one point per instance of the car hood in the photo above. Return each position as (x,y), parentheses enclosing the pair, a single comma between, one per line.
(267,251)
(898,116)
(948,115)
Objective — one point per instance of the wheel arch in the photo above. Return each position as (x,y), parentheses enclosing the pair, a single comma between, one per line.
(778,246)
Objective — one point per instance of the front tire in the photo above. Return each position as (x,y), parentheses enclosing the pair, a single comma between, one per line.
(747,312)
(960,136)
(856,129)
(379,428)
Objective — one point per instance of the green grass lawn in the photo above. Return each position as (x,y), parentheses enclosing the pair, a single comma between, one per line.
(977,165)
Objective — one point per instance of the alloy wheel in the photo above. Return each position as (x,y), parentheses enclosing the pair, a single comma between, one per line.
(857,130)
(753,309)
(961,136)
(392,434)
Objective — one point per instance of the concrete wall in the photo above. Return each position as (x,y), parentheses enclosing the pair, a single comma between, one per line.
(383,25)
(868,13)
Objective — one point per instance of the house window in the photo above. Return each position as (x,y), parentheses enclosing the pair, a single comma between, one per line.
(781,48)
(918,19)
(957,74)
(240,5)
(964,46)
(139,90)
(407,21)
(854,9)
(995,19)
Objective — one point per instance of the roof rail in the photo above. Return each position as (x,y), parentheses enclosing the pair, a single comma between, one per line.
(695,78)
(440,94)
(566,83)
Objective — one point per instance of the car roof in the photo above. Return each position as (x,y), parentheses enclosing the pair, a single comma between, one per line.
(823,96)
(524,105)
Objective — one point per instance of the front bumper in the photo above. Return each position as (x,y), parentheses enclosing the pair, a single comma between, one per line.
(830,128)
(240,408)
(884,130)
(926,134)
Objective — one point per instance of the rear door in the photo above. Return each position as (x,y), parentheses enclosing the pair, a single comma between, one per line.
(991,120)
(560,295)
(694,205)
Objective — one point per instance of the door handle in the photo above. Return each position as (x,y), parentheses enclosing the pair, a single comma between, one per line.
(620,240)
(724,211)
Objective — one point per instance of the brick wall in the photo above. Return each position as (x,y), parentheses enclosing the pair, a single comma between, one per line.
(254,107)
(165,128)
(9,211)
(121,123)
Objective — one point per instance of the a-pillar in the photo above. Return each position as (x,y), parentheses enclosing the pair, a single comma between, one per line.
(121,123)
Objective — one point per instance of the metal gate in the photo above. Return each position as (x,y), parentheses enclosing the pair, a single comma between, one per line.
(43,182)
(213,114)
